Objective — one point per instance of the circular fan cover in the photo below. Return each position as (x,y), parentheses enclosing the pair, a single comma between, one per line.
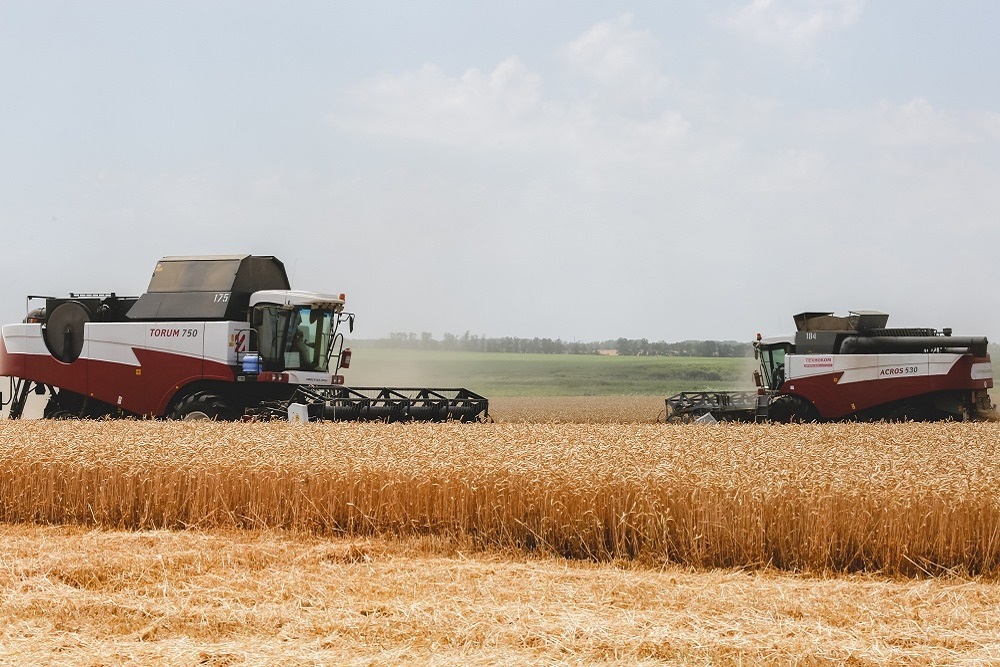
(64,330)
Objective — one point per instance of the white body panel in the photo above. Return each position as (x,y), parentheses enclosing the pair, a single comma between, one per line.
(867,367)
(222,342)
(24,339)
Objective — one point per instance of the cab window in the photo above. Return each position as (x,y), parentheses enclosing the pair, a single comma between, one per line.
(293,338)
(772,364)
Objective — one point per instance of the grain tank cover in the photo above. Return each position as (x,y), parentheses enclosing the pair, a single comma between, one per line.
(210,287)
(822,333)
(857,320)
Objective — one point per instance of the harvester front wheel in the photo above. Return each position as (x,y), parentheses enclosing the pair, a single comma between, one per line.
(203,406)
(790,409)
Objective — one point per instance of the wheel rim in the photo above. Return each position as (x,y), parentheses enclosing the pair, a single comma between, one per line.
(196,416)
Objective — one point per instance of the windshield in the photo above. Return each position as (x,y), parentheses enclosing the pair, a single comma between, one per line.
(772,364)
(293,338)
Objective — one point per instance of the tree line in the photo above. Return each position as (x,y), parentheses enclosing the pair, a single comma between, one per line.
(470,342)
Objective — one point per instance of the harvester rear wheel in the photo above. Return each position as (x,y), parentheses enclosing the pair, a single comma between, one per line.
(64,405)
(203,406)
(909,412)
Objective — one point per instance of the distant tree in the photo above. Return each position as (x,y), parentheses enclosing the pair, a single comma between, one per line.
(510,344)
(708,348)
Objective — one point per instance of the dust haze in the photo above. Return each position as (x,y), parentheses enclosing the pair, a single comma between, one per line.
(377,371)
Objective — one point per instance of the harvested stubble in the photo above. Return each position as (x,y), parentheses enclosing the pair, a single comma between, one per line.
(897,498)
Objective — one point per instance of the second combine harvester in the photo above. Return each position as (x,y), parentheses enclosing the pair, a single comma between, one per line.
(214,337)
(854,367)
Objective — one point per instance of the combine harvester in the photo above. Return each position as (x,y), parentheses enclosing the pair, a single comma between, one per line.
(214,337)
(854,368)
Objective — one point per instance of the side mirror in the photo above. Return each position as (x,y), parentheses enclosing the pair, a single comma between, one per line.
(756,379)
(350,323)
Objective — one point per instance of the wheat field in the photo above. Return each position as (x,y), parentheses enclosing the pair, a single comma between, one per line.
(909,498)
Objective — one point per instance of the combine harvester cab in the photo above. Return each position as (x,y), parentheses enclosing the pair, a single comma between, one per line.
(215,337)
(853,367)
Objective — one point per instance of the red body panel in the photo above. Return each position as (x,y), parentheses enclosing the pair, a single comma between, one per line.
(149,388)
(146,389)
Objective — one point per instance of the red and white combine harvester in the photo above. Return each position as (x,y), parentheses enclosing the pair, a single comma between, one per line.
(214,337)
(853,367)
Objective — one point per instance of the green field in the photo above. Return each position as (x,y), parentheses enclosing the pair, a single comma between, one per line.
(499,374)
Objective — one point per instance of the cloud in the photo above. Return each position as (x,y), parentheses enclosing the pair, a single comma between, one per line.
(615,112)
(990,123)
(916,124)
(560,150)
(620,58)
(475,109)
(793,171)
(794,27)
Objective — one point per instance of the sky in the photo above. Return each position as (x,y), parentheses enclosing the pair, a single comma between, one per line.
(576,170)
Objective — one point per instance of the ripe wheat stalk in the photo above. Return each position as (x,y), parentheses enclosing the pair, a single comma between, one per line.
(898,498)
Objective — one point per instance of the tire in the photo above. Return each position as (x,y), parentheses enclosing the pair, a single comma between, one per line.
(203,406)
(908,413)
(63,405)
(787,409)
